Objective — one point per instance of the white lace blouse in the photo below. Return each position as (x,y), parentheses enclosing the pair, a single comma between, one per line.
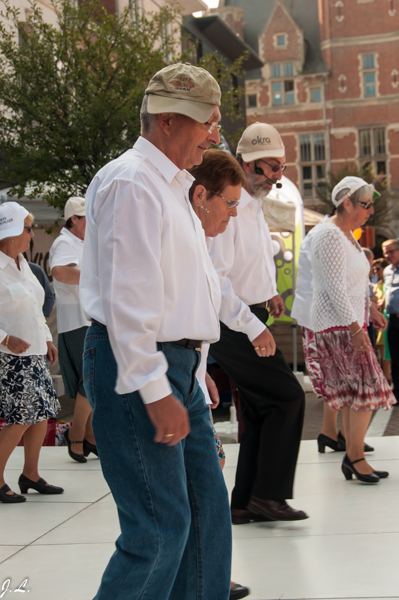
(340,284)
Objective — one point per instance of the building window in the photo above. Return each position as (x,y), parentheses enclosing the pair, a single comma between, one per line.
(342,84)
(372,149)
(252,101)
(392,9)
(395,79)
(313,162)
(369,75)
(136,8)
(281,40)
(283,91)
(315,95)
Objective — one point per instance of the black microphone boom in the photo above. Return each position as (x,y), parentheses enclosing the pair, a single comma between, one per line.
(259,171)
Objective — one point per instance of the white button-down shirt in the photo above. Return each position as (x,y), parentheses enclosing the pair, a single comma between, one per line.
(243,258)
(146,271)
(21,301)
(67,249)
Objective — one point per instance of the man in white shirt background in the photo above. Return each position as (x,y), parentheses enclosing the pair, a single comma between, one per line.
(65,264)
(149,286)
(272,401)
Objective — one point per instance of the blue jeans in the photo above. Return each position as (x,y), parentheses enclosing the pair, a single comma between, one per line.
(172,501)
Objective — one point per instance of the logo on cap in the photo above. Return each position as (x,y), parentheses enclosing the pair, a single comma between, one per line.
(259,140)
(184,84)
(4,220)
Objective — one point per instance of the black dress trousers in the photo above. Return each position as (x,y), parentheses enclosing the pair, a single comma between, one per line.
(272,406)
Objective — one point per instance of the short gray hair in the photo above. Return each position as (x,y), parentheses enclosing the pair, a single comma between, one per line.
(147,120)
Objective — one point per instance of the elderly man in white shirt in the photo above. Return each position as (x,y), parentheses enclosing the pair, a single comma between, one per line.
(272,401)
(149,286)
(65,264)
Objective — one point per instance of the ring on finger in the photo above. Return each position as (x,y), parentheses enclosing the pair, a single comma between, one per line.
(169,434)
(263,348)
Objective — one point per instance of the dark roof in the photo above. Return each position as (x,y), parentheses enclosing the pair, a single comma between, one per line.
(304,12)
(226,40)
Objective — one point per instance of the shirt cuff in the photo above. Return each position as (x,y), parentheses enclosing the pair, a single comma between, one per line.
(254,328)
(155,390)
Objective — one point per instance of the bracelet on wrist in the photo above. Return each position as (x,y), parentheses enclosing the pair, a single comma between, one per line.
(358,331)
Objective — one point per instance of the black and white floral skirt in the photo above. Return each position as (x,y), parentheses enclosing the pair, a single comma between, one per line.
(27,394)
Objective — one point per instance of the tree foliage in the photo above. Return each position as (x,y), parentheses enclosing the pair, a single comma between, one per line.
(382,206)
(71,92)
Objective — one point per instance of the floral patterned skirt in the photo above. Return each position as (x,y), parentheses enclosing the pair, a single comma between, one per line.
(27,394)
(342,375)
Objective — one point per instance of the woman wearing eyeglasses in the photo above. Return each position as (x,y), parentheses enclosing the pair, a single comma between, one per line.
(215,195)
(27,396)
(351,378)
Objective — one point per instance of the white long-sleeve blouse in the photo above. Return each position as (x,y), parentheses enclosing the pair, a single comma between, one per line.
(21,301)
(340,280)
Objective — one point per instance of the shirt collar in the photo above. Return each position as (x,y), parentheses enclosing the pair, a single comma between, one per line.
(161,162)
(246,198)
(5,260)
(65,231)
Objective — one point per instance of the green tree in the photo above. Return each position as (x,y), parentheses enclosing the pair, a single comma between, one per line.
(71,92)
(382,206)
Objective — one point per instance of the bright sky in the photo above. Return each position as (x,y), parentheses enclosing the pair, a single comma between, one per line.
(212,3)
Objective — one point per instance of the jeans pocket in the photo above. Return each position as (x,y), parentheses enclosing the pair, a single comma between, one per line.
(88,373)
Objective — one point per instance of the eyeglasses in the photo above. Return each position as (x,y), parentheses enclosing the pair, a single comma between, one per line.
(29,229)
(230,203)
(366,205)
(274,168)
(213,126)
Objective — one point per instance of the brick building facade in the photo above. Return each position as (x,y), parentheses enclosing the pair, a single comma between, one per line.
(329,84)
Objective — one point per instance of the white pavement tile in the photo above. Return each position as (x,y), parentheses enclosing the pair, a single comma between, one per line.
(6,552)
(58,572)
(54,457)
(97,524)
(21,524)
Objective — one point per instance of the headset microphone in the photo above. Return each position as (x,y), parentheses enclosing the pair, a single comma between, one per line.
(259,171)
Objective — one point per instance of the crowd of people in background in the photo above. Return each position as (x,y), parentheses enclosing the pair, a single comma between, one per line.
(167,259)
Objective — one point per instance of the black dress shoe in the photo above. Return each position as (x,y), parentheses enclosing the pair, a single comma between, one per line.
(348,470)
(239,591)
(78,457)
(89,447)
(275,510)
(239,517)
(40,486)
(342,443)
(10,498)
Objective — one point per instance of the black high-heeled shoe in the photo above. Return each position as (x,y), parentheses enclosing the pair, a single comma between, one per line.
(78,457)
(89,447)
(382,474)
(324,440)
(348,470)
(40,486)
(10,498)
(342,442)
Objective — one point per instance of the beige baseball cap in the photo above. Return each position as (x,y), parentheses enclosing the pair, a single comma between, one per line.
(260,140)
(74,206)
(184,89)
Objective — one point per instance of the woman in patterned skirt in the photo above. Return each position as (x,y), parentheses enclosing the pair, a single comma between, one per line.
(27,396)
(350,377)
